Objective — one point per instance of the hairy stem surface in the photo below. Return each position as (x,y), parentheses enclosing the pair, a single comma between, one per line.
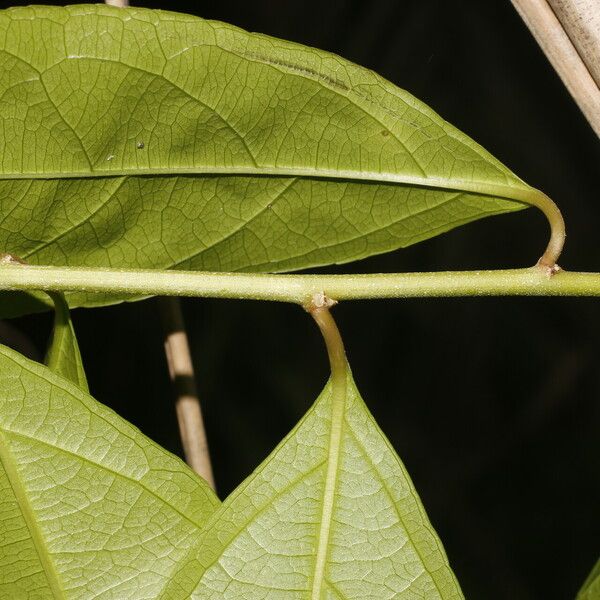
(299,288)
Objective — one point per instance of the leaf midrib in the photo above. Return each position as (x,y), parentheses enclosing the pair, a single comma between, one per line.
(525,195)
(338,406)
(282,171)
(37,538)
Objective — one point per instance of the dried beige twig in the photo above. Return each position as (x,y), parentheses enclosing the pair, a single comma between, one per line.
(179,360)
(568,32)
(187,404)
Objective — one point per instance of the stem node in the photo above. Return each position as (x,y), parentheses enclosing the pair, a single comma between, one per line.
(6,258)
(548,270)
(319,300)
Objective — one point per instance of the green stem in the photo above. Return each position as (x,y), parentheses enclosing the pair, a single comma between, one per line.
(299,288)
(557,227)
(318,306)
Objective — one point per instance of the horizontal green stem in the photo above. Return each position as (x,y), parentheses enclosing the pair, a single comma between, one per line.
(534,281)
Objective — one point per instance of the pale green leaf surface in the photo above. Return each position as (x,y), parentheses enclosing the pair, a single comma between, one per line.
(148,139)
(590,590)
(63,356)
(378,543)
(89,507)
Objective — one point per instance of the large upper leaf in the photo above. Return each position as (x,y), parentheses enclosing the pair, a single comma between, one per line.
(89,507)
(331,514)
(139,138)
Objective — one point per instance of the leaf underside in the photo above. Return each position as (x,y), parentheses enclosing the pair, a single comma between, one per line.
(378,543)
(63,355)
(590,590)
(147,139)
(89,507)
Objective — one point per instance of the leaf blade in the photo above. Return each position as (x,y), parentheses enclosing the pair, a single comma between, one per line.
(63,356)
(590,590)
(100,498)
(266,535)
(239,151)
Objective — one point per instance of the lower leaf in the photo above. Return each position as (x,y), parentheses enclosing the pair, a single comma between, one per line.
(89,507)
(590,590)
(331,513)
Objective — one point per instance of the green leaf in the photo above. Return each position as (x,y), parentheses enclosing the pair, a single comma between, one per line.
(89,507)
(591,587)
(147,139)
(63,356)
(331,513)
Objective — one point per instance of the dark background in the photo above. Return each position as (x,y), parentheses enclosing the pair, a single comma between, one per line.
(491,403)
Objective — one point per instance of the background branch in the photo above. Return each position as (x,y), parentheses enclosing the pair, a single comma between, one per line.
(181,371)
(187,404)
(568,31)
